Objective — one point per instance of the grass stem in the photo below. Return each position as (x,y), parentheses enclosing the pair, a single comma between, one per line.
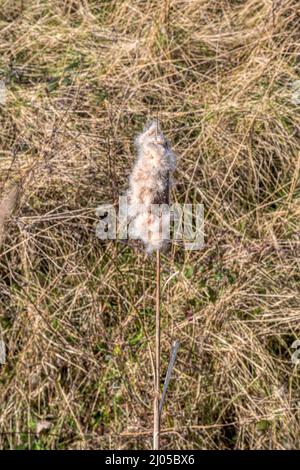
(156,427)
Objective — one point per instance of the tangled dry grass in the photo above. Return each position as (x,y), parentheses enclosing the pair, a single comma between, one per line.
(82,77)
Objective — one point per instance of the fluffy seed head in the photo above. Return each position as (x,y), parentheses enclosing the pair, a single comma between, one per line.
(149,186)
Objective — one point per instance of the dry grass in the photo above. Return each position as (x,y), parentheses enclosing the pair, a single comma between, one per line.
(76,314)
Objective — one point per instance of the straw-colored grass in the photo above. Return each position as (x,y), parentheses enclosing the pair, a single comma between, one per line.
(77,315)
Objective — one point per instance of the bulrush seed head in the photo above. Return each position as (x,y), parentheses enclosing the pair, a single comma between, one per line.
(149,188)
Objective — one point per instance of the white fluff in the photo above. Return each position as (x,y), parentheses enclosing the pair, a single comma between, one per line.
(149,185)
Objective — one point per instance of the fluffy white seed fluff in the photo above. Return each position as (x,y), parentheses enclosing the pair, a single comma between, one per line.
(149,186)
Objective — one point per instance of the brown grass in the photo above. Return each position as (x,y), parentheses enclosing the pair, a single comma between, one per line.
(77,314)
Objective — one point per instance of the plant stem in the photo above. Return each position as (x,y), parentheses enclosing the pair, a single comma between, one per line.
(156,427)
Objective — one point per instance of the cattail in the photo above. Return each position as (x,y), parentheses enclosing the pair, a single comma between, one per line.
(149,187)
(7,205)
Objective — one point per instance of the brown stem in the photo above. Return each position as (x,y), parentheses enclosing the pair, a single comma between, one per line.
(156,427)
